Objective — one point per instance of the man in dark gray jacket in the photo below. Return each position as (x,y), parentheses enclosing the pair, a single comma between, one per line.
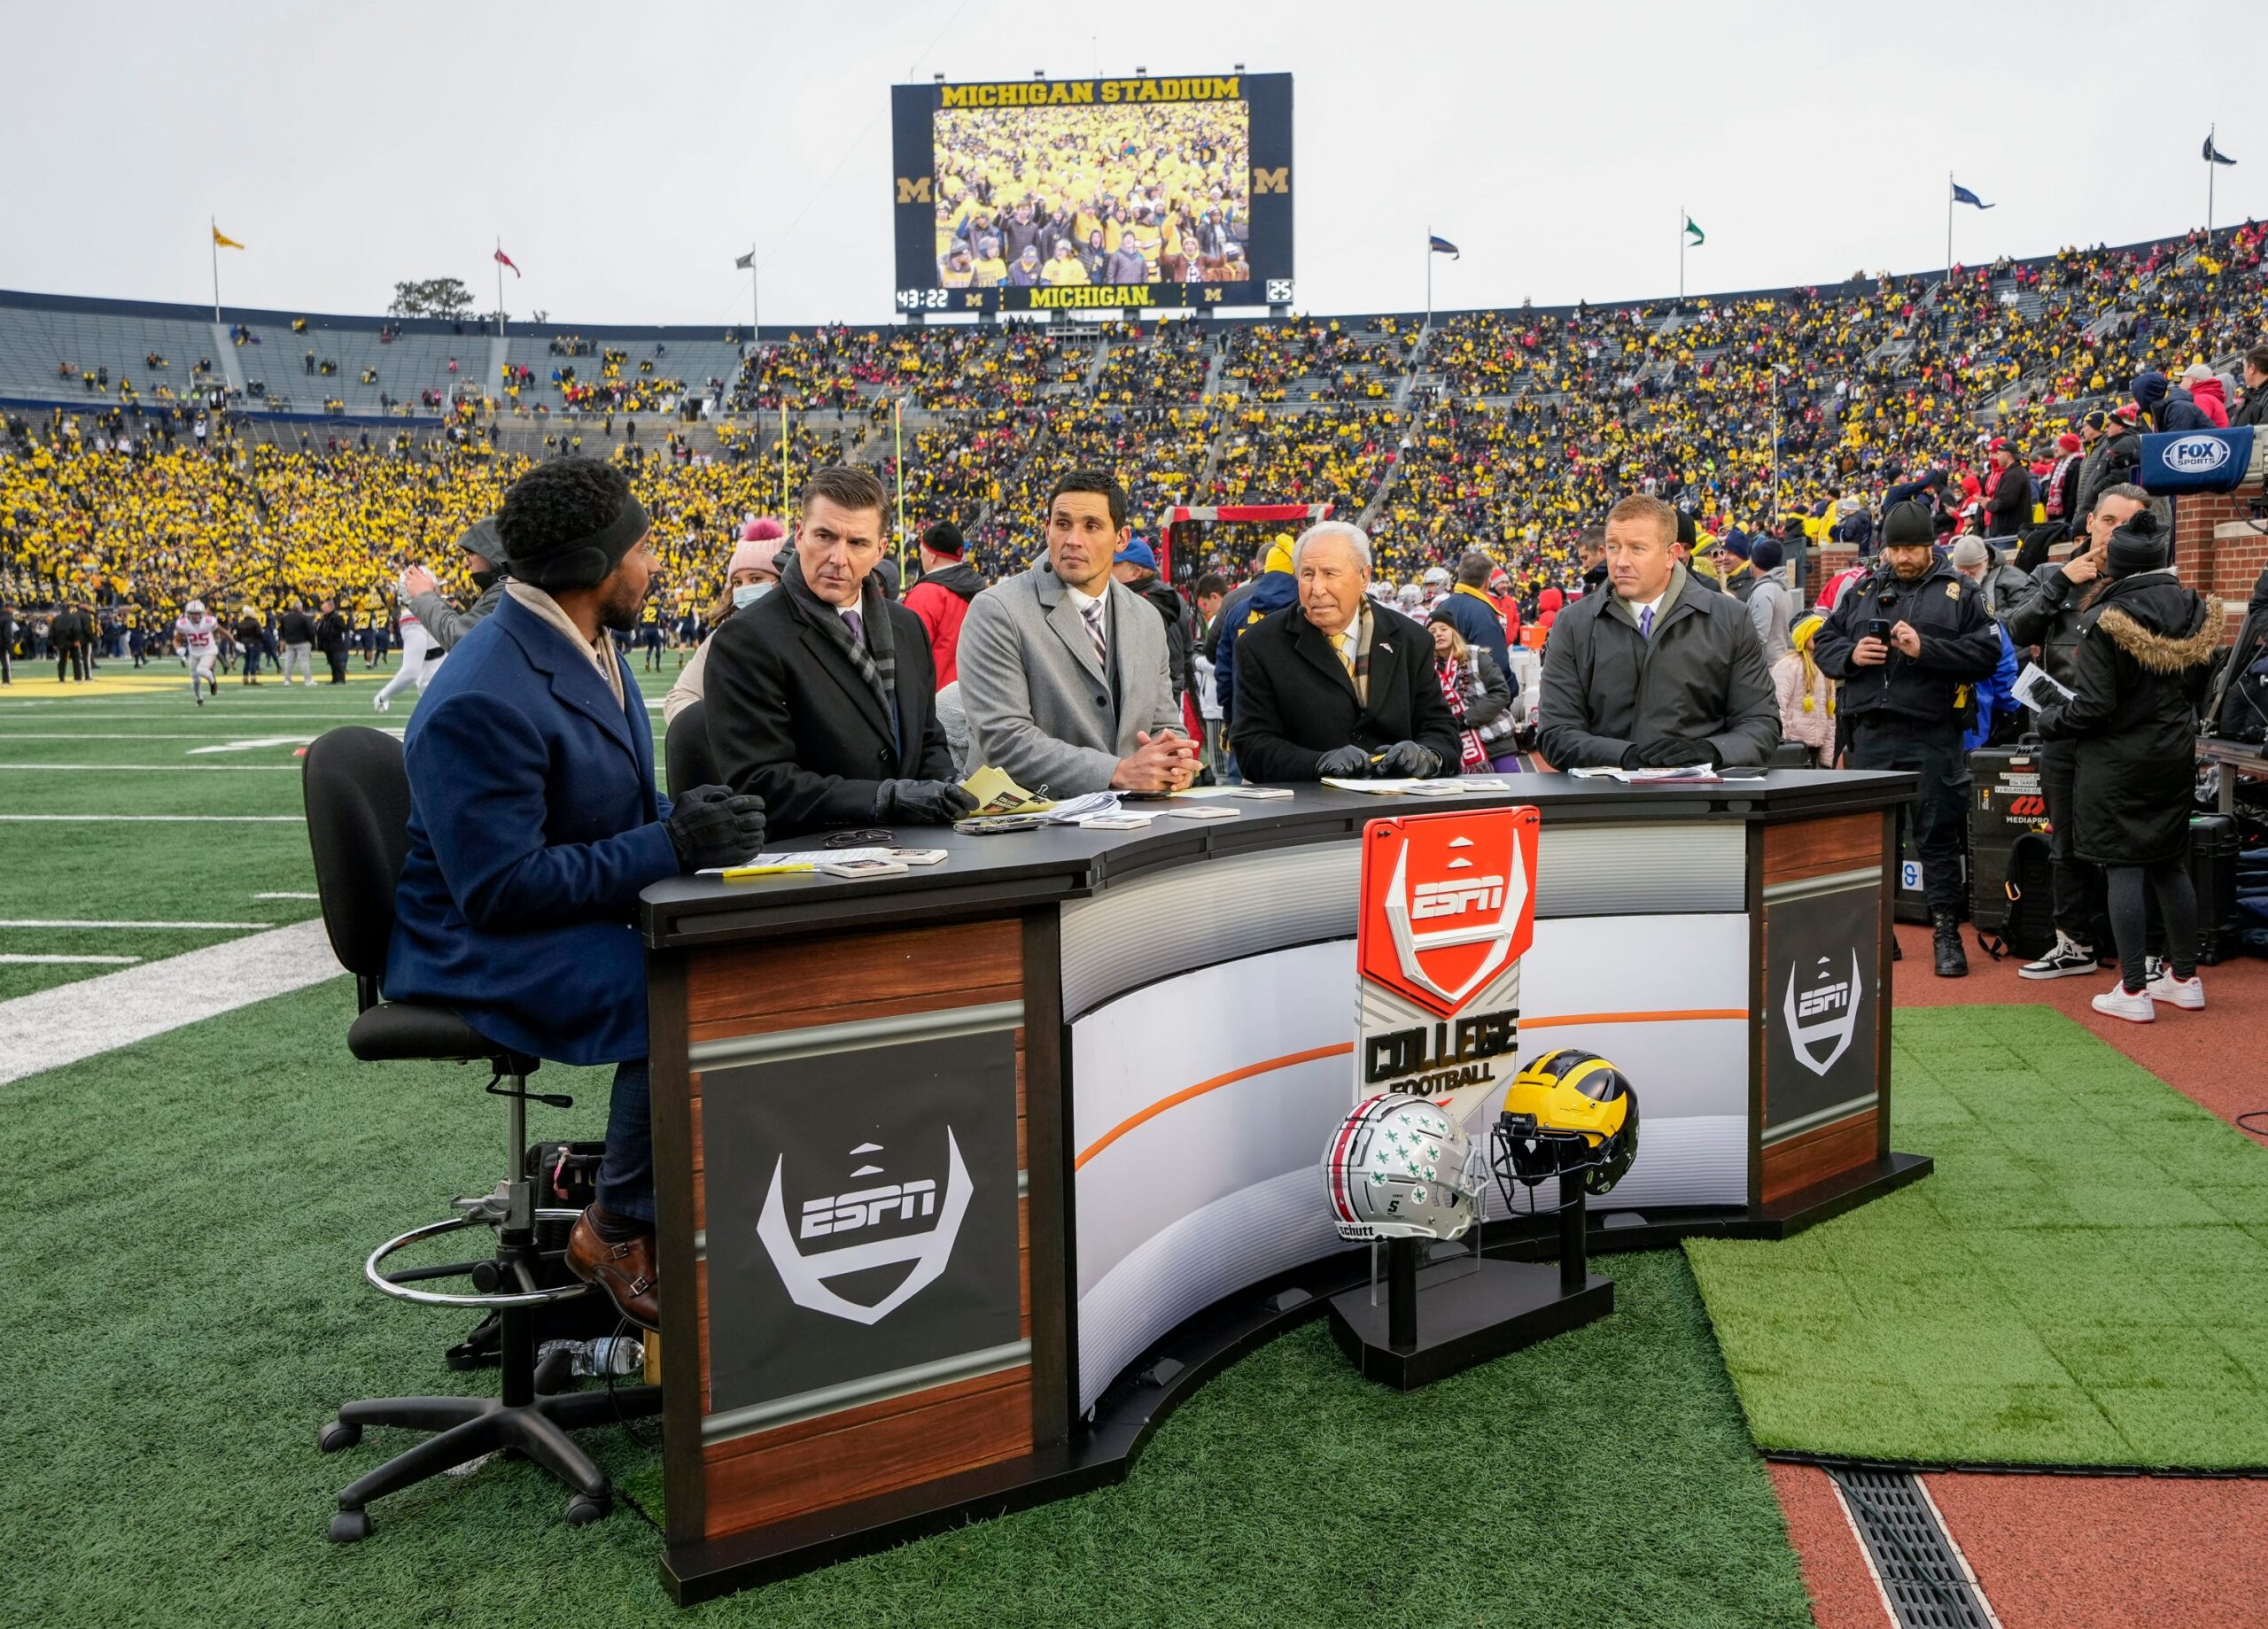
(484,555)
(1664,672)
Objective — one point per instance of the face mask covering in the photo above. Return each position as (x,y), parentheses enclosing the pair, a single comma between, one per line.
(748,593)
(484,580)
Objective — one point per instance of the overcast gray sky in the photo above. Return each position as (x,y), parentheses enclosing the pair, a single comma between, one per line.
(626,153)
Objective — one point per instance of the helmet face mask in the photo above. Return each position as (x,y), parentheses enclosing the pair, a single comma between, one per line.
(1399,1168)
(1570,1114)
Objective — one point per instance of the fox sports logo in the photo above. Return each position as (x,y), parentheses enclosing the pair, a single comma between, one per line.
(2197,454)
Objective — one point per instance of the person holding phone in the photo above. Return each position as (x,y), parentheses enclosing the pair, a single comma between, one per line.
(1907,642)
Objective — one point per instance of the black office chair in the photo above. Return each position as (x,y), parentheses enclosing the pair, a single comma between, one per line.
(686,751)
(358,817)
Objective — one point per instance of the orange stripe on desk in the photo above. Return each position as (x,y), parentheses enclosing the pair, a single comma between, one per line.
(1202,1087)
(1633,1018)
(1344,1047)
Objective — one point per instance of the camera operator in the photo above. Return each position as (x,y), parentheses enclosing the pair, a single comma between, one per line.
(1907,642)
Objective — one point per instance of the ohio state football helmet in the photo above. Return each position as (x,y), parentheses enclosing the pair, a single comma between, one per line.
(1399,1168)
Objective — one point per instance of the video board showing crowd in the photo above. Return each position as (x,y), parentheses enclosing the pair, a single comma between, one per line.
(1093,194)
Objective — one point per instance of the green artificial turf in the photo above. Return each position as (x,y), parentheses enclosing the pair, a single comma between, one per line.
(180,1279)
(2083,1280)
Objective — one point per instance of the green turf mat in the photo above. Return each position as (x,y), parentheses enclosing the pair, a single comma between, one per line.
(180,1274)
(2083,1280)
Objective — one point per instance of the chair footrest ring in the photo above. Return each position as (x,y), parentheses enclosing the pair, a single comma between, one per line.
(372,1270)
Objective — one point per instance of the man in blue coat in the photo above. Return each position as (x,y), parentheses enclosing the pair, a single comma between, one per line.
(534,825)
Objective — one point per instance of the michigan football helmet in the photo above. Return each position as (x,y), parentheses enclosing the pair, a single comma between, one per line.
(1399,1168)
(1569,1114)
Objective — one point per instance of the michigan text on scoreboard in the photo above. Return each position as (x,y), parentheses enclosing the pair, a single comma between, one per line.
(1093,194)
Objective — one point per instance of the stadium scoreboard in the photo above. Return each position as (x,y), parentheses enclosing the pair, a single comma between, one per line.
(1093,194)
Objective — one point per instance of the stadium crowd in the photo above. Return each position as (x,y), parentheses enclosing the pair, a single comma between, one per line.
(1506,430)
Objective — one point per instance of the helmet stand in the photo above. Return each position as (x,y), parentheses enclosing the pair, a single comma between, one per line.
(1474,1308)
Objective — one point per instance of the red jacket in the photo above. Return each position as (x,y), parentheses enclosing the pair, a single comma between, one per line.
(941,601)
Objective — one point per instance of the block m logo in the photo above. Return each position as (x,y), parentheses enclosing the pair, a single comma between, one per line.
(914,190)
(1277,180)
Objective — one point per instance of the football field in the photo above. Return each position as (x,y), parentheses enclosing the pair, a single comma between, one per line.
(138,825)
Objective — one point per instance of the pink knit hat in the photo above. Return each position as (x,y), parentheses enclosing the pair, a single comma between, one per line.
(761,541)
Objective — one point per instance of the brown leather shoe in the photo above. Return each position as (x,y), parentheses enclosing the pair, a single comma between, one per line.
(626,1271)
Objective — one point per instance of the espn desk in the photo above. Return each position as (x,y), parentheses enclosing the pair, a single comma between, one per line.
(966,1177)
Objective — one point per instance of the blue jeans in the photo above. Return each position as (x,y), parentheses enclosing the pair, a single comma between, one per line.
(626,1173)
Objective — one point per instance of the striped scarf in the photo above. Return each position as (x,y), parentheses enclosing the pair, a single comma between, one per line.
(1472,756)
(874,657)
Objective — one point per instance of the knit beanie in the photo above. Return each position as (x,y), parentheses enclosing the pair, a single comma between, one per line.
(1908,523)
(758,553)
(2138,546)
(1765,554)
(943,538)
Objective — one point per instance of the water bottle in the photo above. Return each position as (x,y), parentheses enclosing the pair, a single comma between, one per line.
(610,1354)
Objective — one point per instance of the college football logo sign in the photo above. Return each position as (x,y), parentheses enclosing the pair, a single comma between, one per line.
(1449,902)
(1822,1016)
(865,1227)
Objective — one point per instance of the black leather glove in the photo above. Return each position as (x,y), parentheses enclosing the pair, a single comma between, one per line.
(1673,752)
(921,803)
(711,827)
(1408,759)
(1344,764)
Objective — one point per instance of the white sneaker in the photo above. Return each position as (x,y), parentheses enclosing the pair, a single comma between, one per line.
(2135,1008)
(2188,994)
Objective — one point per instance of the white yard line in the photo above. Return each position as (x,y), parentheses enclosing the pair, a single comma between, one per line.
(243,745)
(17,735)
(51,1028)
(112,961)
(175,769)
(287,896)
(193,926)
(105,820)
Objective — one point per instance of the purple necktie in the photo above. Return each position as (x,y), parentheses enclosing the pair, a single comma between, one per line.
(1646,622)
(857,628)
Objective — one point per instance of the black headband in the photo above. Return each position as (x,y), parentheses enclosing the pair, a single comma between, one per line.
(584,562)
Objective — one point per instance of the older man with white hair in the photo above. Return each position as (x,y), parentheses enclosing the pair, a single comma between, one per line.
(1336,684)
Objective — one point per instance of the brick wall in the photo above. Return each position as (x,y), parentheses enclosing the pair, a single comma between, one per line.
(2220,549)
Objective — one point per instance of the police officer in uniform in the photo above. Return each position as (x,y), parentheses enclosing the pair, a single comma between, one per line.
(1907,642)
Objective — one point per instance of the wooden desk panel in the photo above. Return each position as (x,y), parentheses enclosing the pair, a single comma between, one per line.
(898,1442)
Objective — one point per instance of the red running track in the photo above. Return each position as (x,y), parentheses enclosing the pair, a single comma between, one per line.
(2080,1552)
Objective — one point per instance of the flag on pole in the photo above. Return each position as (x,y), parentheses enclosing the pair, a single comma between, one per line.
(746,262)
(1962,195)
(1442,245)
(1694,233)
(222,240)
(2214,155)
(505,259)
